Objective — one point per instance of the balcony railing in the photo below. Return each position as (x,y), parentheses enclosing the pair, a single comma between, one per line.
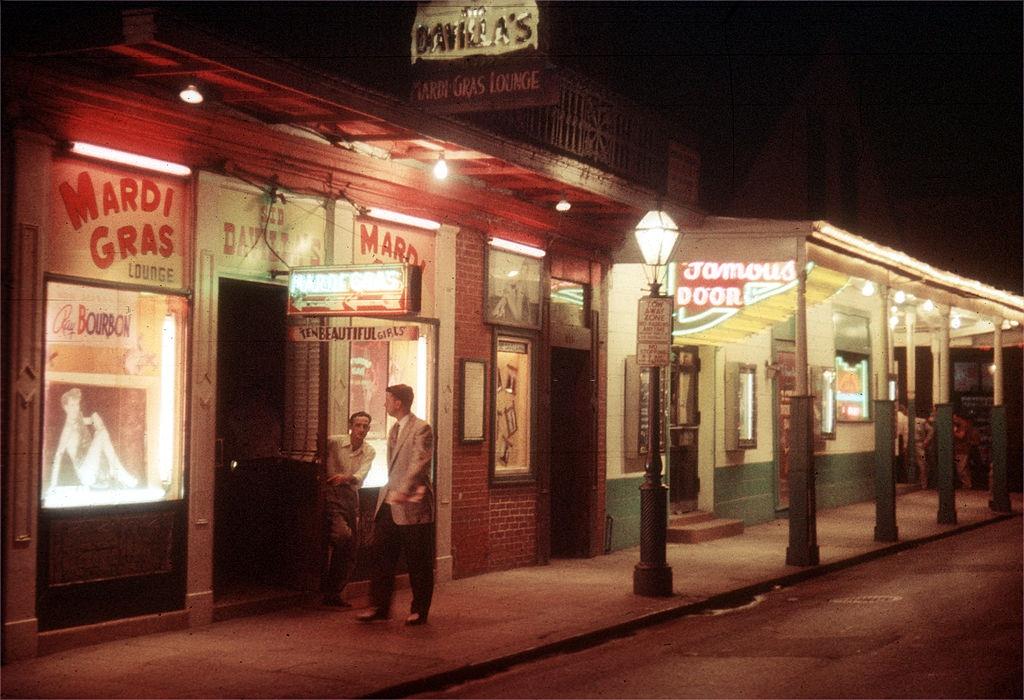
(598,128)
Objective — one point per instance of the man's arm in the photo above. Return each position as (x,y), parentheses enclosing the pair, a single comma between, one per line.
(363,468)
(418,474)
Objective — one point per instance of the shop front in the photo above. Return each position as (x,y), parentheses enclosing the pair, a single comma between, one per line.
(95,499)
(741,342)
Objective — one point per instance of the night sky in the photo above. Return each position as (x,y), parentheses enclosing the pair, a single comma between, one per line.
(938,88)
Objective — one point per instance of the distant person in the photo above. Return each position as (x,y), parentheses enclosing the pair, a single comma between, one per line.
(965,439)
(923,433)
(348,461)
(900,440)
(404,517)
(85,442)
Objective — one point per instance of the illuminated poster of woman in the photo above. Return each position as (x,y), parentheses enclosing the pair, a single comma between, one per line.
(368,379)
(102,448)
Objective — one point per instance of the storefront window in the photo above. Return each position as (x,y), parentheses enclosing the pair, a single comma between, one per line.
(513,413)
(113,419)
(373,367)
(853,366)
(852,396)
(568,303)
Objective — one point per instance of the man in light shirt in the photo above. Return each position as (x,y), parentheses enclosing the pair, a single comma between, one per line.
(404,519)
(349,458)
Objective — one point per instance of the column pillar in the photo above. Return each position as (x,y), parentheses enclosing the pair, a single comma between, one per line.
(885,347)
(803,538)
(913,475)
(885,474)
(945,476)
(1000,501)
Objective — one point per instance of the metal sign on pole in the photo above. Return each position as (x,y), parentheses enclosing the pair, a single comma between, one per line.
(654,331)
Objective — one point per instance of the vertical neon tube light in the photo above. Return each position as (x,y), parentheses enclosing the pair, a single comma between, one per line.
(168,366)
(420,401)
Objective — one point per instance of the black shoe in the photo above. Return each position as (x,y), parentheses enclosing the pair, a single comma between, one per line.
(416,619)
(336,602)
(371,616)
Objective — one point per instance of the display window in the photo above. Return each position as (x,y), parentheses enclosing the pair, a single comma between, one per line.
(376,364)
(512,416)
(852,387)
(113,422)
(853,366)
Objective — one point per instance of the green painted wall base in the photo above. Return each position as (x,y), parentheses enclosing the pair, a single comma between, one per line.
(747,492)
(622,504)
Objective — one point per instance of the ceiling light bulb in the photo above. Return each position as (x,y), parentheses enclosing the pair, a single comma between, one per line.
(868,289)
(900,296)
(440,168)
(563,205)
(191,95)
(894,321)
(928,305)
(954,322)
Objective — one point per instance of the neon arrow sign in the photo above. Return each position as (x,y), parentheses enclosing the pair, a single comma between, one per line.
(354,290)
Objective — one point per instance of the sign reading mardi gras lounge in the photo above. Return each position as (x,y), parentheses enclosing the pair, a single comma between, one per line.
(709,292)
(117,225)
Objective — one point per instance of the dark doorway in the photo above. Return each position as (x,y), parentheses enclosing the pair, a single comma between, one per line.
(252,487)
(572,452)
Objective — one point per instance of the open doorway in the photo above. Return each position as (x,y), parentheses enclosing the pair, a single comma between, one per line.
(254,491)
(572,453)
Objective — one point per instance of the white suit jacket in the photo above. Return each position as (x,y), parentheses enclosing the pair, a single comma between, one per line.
(409,474)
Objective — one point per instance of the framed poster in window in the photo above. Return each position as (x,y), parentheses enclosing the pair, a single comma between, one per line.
(513,293)
(474,396)
(113,416)
(512,409)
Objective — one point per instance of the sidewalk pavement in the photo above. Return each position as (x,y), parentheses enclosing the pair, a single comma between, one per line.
(477,625)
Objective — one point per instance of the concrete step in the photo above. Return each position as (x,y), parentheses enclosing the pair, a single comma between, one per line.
(704,530)
(695,516)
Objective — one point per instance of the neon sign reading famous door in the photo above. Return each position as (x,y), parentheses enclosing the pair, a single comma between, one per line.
(709,292)
(354,290)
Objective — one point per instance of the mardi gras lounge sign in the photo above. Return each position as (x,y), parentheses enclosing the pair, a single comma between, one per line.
(118,226)
(448,29)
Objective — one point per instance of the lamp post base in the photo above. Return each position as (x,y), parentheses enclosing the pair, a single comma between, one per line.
(652,580)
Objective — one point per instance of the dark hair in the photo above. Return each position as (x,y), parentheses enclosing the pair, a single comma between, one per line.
(352,418)
(402,392)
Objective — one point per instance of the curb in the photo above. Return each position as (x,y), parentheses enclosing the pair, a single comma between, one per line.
(584,640)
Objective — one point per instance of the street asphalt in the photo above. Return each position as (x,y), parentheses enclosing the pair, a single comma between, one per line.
(477,626)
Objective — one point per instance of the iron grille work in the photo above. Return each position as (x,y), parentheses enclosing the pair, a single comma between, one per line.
(595,127)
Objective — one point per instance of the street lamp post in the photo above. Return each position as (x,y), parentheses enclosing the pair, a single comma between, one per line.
(656,235)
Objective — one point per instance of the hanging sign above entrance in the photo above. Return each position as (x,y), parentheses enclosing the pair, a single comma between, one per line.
(354,290)
(449,29)
(363,334)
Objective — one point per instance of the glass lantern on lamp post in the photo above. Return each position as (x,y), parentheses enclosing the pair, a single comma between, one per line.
(656,234)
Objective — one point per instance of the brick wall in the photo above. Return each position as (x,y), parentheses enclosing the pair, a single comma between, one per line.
(470,495)
(497,528)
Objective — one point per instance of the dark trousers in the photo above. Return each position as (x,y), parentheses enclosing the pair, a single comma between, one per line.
(341,506)
(416,542)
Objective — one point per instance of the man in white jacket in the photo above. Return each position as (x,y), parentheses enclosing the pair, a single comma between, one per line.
(404,517)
